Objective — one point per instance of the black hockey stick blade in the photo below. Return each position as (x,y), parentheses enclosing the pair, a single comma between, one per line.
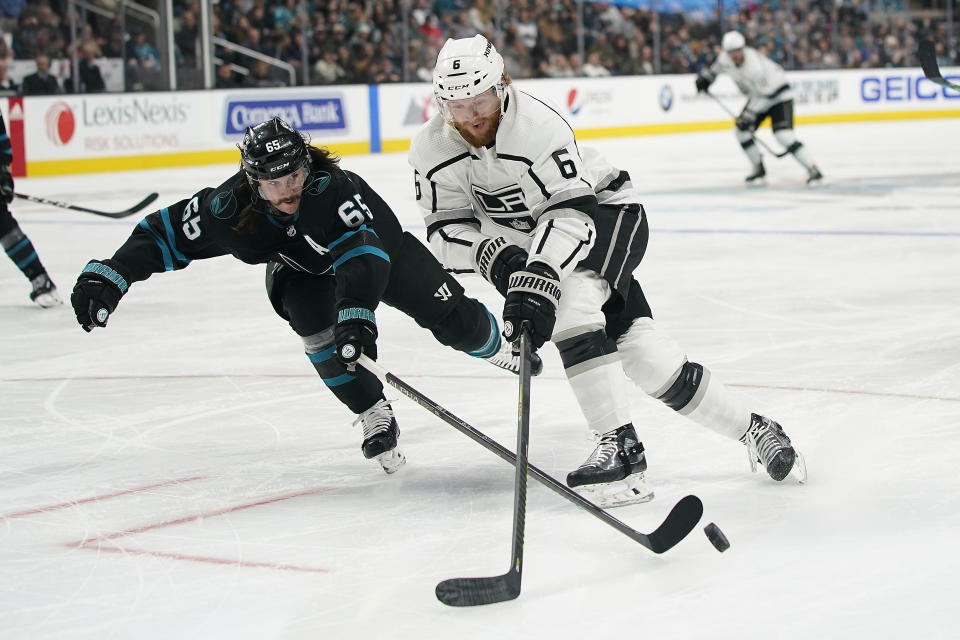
(677,525)
(97,212)
(471,592)
(928,61)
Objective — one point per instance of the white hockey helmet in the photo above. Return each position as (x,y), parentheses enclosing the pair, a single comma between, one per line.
(732,40)
(466,68)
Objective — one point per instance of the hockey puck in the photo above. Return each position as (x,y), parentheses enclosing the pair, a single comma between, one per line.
(716,537)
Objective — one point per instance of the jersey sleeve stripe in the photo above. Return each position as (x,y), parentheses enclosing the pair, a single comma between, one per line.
(447,163)
(161,244)
(351,233)
(583,200)
(171,239)
(359,251)
(452,240)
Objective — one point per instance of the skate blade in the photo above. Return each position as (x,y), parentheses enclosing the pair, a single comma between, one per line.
(759,183)
(391,461)
(799,470)
(631,490)
(47,300)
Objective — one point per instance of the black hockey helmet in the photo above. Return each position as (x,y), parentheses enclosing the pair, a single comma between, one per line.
(272,149)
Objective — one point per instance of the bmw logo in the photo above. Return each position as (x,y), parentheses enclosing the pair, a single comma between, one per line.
(666,97)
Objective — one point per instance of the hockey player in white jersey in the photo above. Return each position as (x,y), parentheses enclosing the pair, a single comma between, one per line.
(506,192)
(768,93)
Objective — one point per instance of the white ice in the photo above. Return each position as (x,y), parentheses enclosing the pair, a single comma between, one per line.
(183,473)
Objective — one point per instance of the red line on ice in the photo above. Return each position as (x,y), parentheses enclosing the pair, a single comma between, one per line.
(105,496)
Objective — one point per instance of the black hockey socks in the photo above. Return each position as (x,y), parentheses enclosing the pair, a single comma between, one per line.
(19,248)
(470,328)
(358,389)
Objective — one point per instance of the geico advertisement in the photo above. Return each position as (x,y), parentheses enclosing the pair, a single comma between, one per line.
(117,125)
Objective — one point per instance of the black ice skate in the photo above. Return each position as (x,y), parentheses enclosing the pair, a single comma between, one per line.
(44,292)
(612,475)
(506,359)
(380,434)
(756,178)
(769,445)
(814,175)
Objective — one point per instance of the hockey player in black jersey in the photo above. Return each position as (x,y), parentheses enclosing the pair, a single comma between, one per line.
(14,242)
(333,249)
(506,191)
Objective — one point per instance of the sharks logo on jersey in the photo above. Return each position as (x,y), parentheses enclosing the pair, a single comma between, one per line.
(223,205)
(505,206)
(317,183)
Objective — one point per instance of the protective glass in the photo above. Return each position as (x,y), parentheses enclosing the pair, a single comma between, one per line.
(471,109)
(284,186)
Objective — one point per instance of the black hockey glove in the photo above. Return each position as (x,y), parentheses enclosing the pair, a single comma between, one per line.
(703,83)
(496,259)
(532,299)
(97,293)
(6,184)
(746,121)
(355,333)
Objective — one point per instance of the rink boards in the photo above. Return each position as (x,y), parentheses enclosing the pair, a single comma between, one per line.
(59,135)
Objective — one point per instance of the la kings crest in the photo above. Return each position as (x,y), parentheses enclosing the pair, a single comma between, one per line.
(505,206)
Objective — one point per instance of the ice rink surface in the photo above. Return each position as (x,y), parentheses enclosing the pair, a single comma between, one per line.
(184,473)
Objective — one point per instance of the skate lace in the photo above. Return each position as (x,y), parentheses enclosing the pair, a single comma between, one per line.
(607,447)
(376,419)
(765,443)
(505,359)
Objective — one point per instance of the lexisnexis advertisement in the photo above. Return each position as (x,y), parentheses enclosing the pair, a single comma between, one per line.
(77,134)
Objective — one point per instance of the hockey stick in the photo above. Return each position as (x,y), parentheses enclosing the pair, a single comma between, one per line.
(928,60)
(470,592)
(679,522)
(107,214)
(760,142)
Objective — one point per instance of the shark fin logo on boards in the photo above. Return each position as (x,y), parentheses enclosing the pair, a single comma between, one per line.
(419,111)
(60,123)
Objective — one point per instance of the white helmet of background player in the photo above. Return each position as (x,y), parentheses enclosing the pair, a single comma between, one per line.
(732,40)
(467,68)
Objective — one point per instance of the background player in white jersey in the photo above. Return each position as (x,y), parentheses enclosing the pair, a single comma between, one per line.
(768,94)
(506,191)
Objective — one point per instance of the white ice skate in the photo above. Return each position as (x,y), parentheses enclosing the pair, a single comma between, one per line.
(612,475)
(768,444)
(44,292)
(380,435)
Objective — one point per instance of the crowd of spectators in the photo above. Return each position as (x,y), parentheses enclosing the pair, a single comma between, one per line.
(360,42)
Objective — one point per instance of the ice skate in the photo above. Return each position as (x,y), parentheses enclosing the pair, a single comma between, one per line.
(380,434)
(814,176)
(44,292)
(769,445)
(506,359)
(612,475)
(756,178)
